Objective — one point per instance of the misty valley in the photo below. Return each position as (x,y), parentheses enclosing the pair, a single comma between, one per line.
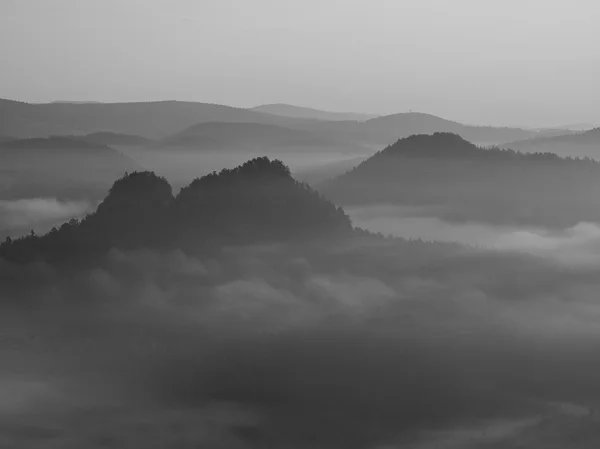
(178,274)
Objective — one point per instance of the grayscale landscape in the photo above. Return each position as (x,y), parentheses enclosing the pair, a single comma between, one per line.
(306,225)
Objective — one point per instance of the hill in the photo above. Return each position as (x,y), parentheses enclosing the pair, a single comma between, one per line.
(157,120)
(150,120)
(115,139)
(256,137)
(389,128)
(449,177)
(54,143)
(584,144)
(258,201)
(61,167)
(288,110)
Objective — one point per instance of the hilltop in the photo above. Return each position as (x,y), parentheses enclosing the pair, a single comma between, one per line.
(258,201)
(452,178)
(158,120)
(149,119)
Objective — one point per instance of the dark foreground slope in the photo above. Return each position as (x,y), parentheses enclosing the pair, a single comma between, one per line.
(454,179)
(59,167)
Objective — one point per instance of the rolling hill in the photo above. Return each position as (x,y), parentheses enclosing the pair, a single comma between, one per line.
(256,201)
(158,120)
(451,178)
(254,137)
(149,120)
(585,144)
(389,128)
(288,110)
(115,139)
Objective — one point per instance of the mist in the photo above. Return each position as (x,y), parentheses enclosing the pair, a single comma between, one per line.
(18,217)
(578,245)
(181,165)
(299,224)
(266,344)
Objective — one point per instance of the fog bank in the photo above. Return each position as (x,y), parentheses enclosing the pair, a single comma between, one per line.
(38,214)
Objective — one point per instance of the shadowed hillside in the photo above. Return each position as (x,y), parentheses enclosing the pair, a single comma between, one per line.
(454,179)
(256,202)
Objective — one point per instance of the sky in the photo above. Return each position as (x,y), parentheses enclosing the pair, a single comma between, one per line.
(501,62)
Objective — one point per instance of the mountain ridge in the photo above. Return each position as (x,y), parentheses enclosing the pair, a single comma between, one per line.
(157,120)
(289,110)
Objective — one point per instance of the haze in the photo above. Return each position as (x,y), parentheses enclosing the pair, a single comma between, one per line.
(526,62)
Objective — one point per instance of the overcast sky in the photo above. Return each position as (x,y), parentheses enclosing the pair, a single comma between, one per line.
(525,62)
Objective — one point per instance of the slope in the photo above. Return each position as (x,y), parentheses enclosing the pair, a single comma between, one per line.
(258,201)
(585,144)
(451,178)
(150,120)
(256,137)
(288,110)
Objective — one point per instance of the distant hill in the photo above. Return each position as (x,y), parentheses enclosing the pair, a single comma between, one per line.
(258,201)
(288,110)
(319,173)
(58,143)
(389,128)
(115,139)
(158,120)
(255,137)
(585,144)
(74,102)
(582,126)
(60,167)
(449,177)
(150,120)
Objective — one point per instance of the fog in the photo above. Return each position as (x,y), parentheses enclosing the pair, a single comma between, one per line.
(577,245)
(330,346)
(180,165)
(165,283)
(20,216)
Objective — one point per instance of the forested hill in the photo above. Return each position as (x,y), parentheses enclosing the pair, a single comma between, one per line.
(461,181)
(258,201)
